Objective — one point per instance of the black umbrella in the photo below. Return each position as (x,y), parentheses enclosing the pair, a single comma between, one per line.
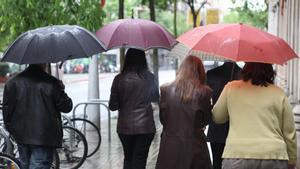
(52,44)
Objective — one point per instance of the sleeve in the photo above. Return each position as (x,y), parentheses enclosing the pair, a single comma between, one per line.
(289,131)
(220,110)
(7,107)
(162,106)
(207,106)
(155,91)
(62,100)
(114,96)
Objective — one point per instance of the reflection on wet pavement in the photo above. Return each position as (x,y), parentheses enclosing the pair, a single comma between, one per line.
(110,155)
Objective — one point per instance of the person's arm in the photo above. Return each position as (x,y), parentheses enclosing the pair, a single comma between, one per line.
(113,103)
(207,108)
(155,92)
(7,107)
(62,100)
(162,106)
(289,131)
(220,110)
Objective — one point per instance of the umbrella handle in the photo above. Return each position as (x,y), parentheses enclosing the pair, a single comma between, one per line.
(60,65)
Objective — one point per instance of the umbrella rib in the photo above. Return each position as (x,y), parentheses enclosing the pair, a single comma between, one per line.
(164,35)
(239,43)
(27,48)
(66,46)
(94,37)
(75,37)
(142,33)
(113,35)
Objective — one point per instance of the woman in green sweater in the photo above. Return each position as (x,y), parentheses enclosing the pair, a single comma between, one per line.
(262,133)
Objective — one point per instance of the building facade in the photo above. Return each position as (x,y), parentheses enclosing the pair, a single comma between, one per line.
(284,21)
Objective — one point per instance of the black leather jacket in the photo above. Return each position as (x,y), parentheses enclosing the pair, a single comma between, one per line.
(32,103)
(132,95)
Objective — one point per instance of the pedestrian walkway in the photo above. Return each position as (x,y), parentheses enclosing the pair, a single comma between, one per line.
(110,155)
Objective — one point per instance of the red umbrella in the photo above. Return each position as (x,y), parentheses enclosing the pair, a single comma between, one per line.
(135,33)
(238,42)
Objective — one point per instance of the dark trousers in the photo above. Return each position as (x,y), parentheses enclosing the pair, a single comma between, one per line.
(136,148)
(35,157)
(217,151)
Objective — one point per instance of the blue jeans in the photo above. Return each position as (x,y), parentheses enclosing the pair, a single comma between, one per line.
(35,157)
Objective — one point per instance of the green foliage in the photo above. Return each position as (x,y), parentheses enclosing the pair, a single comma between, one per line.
(253,15)
(165,18)
(112,6)
(18,16)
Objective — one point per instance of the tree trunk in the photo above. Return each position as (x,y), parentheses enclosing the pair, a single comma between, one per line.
(155,53)
(175,18)
(122,50)
(195,13)
(194,19)
(152,9)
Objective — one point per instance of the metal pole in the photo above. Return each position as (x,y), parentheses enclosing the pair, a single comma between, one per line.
(93,91)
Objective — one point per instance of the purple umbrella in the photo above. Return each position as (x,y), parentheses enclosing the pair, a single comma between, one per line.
(135,33)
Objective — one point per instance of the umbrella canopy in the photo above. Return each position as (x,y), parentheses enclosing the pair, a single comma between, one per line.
(135,33)
(238,42)
(52,44)
(180,51)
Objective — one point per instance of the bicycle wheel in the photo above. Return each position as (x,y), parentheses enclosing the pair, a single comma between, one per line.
(91,133)
(74,148)
(2,143)
(8,162)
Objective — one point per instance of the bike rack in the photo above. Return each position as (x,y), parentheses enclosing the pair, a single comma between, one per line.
(96,102)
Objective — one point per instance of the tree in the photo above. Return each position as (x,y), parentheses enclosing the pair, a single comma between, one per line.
(255,14)
(195,12)
(175,18)
(18,16)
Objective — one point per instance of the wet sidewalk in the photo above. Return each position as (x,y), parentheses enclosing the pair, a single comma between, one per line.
(110,155)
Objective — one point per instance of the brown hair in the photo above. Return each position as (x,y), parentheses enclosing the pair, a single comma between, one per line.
(260,74)
(190,77)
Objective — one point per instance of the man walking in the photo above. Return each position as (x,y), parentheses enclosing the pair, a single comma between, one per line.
(32,103)
(217,78)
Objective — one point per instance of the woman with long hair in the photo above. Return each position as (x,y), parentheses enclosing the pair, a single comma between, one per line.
(132,92)
(185,110)
(261,126)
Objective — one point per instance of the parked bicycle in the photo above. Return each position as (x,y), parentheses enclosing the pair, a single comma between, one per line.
(74,148)
(8,162)
(88,129)
(9,147)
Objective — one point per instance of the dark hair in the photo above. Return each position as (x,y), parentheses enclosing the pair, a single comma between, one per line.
(260,74)
(190,77)
(135,60)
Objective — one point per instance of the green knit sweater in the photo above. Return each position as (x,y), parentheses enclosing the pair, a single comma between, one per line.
(261,122)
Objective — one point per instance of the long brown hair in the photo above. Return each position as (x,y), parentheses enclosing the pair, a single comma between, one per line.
(190,77)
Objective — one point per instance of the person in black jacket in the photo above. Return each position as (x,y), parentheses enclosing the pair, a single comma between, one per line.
(32,103)
(217,78)
(132,92)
